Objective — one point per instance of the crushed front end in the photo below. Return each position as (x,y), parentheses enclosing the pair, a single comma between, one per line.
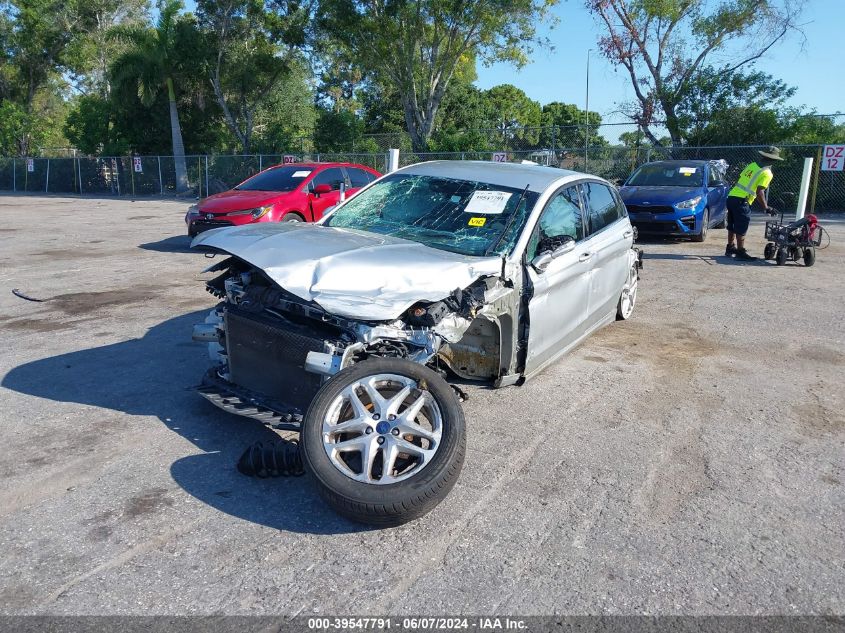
(273,350)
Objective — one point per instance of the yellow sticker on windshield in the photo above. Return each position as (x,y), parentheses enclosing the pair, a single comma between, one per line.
(477,221)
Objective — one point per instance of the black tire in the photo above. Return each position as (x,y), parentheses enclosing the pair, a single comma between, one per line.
(809,256)
(292,216)
(627,301)
(723,223)
(386,505)
(702,234)
(780,258)
(770,251)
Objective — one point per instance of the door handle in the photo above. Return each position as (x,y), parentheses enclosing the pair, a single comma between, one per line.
(627,234)
(584,257)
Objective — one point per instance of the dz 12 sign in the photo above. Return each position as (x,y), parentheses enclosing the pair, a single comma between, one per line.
(500,157)
(288,160)
(136,163)
(833,158)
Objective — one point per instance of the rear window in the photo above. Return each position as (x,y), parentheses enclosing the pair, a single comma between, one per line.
(285,178)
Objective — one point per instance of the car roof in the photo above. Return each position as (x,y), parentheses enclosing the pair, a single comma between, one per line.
(314,165)
(515,175)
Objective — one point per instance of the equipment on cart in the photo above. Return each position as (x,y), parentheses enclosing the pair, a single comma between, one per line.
(792,241)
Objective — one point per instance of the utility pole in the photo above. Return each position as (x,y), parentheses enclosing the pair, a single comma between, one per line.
(587,113)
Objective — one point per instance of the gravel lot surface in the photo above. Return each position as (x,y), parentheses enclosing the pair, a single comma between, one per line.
(689,461)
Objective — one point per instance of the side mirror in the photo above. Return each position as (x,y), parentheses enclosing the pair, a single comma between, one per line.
(322,189)
(542,261)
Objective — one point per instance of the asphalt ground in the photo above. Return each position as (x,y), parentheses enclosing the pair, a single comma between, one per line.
(689,461)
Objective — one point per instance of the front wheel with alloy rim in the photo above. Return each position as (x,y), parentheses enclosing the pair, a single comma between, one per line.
(702,234)
(385,440)
(628,297)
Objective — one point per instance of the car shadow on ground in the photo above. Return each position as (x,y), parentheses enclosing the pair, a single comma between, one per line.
(154,376)
(175,244)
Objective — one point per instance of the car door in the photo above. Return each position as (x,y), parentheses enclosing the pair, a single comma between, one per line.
(558,306)
(717,196)
(332,176)
(609,239)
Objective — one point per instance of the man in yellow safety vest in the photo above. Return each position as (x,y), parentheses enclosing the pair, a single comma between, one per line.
(752,185)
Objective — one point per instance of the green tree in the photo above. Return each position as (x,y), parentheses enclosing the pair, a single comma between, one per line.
(35,40)
(286,120)
(571,126)
(252,51)
(514,115)
(89,55)
(715,95)
(811,128)
(15,126)
(633,139)
(341,78)
(416,45)
(337,131)
(663,45)
(88,124)
(151,64)
(381,108)
(464,115)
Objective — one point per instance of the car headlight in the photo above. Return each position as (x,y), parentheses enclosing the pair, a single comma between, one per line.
(692,203)
(256,212)
(261,211)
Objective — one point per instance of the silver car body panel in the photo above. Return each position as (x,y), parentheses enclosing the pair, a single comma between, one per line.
(350,273)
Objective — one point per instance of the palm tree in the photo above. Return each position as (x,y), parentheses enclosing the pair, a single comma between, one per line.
(152,61)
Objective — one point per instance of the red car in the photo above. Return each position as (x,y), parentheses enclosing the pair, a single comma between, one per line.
(285,193)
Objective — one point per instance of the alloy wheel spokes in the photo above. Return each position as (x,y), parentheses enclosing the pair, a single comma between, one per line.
(382,429)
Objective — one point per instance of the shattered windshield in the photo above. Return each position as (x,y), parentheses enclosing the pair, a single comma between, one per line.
(461,216)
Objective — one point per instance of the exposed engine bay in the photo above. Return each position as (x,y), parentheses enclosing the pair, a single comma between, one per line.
(274,350)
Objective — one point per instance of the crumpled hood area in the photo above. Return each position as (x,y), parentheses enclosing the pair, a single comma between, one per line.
(350,273)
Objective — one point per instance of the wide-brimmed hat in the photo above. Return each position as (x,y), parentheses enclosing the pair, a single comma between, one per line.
(771,152)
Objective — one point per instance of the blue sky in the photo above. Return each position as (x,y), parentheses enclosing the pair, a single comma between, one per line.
(560,75)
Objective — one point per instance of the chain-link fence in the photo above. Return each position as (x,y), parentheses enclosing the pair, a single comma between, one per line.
(151,175)
(155,175)
(827,188)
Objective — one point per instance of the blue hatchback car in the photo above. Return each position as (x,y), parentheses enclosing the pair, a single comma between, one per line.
(681,198)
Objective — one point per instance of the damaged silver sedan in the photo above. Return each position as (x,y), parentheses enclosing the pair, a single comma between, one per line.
(351,330)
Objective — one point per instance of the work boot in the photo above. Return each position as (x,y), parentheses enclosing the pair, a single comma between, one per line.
(730,249)
(743,256)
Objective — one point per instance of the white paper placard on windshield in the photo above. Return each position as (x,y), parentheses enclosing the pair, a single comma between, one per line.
(489,202)
(687,170)
(301,173)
